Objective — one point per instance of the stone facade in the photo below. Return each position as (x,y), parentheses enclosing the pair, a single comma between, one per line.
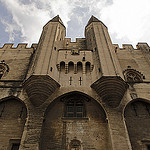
(83,95)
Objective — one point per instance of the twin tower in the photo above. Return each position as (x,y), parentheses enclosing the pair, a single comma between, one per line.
(89,63)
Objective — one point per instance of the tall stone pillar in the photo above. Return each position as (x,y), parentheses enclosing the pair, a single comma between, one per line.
(98,40)
(32,131)
(118,131)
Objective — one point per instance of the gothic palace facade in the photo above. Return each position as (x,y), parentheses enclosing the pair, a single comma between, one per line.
(83,95)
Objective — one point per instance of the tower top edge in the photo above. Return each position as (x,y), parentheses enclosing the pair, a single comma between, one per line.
(94,19)
(55,19)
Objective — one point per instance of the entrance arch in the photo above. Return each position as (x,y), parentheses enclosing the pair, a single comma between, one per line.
(85,119)
(13,115)
(137,117)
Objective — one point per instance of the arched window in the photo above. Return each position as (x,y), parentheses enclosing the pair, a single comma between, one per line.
(137,118)
(79,67)
(88,66)
(132,75)
(13,115)
(3,69)
(75,145)
(71,66)
(62,66)
(74,108)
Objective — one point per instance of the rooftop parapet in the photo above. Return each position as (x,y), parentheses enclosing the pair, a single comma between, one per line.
(128,46)
(19,46)
(143,46)
(139,46)
(78,40)
(7,45)
(80,43)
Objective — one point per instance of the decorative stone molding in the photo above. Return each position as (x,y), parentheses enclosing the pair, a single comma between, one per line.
(132,75)
(4,68)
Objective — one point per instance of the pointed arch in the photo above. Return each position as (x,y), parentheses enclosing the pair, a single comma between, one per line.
(62,66)
(13,114)
(88,67)
(56,120)
(70,66)
(137,118)
(79,67)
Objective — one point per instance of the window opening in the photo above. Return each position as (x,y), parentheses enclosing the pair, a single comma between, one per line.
(88,66)
(71,67)
(62,66)
(15,146)
(3,68)
(75,108)
(79,67)
(99,69)
(51,69)
(116,49)
(83,59)
(132,75)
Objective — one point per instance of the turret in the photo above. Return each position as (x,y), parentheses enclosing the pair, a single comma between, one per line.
(109,79)
(99,40)
(51,40)
(42,78)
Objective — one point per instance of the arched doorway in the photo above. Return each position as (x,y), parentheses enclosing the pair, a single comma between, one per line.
(74,115)
(62,66)
(13,115)
(137,117)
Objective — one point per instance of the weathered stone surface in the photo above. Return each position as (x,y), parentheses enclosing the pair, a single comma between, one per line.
(88,94)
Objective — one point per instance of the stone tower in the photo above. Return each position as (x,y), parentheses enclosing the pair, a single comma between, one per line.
(83,95)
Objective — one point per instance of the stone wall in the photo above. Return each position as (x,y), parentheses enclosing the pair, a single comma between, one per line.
(17,59)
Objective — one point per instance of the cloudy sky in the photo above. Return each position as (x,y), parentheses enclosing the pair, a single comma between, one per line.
(128,21)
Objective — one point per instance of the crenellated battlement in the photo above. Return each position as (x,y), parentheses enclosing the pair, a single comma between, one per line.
(80,43)
(143,46)
(19,46)
(139,46)
(78,40)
